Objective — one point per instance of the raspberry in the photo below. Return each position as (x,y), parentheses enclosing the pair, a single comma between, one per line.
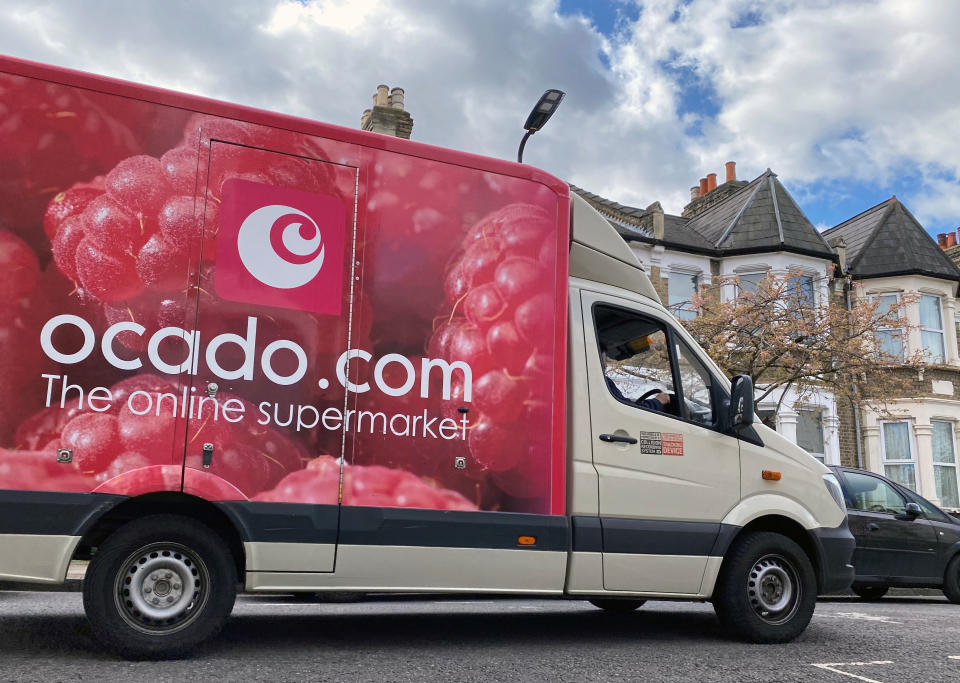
(372,485)
(39,471)
(94,440)
(500,319)
(52,136)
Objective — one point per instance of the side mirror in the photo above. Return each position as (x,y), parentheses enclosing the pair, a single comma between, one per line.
(741,402)
(913,510)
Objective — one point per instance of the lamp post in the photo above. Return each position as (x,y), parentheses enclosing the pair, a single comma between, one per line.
(539,116)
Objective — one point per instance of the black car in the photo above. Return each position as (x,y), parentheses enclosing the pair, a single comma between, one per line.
(902,539)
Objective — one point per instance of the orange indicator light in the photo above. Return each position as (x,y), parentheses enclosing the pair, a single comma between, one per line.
(771,475)
(527,540)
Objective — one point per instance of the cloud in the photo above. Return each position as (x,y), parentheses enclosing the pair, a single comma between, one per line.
(824,93)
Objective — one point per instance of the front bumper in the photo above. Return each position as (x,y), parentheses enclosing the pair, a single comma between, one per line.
(835,553)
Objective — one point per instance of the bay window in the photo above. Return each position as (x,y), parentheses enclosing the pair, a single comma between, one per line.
(681,288)
(889,339)
(899,461)
(945,463)
(931,328)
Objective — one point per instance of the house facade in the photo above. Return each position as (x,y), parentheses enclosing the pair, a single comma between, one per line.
(746,229)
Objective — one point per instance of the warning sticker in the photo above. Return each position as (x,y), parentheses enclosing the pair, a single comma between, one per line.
(672,444)
(657,443)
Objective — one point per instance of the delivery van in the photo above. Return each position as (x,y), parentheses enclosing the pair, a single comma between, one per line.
(246,351)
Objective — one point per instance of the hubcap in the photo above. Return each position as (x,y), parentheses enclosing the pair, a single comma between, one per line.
(773,589)
(161,588)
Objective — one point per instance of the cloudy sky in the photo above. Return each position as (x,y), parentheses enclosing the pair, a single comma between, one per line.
(849,101)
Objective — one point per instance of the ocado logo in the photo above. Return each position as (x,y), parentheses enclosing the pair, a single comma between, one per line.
(281,246)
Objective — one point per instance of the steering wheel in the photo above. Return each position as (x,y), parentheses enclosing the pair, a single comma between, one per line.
(648,394)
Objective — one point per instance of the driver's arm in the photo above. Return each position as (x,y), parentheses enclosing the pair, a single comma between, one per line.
(658,402)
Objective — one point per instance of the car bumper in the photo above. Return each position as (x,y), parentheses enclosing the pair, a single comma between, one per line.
(835,552)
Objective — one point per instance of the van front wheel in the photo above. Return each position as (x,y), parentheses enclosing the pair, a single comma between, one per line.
(766,591)
(159,586)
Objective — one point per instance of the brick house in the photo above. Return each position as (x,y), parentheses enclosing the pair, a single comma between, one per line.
(747,229)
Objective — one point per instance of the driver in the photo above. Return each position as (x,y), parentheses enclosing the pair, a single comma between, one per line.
(657,403)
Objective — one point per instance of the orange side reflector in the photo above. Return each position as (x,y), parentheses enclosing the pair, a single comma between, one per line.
(771,475)
(527,540)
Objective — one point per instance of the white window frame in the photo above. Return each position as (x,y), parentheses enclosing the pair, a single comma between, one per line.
(903,340)
(820,455)
(676,308)
(953,443)
(943,339)
(911,440)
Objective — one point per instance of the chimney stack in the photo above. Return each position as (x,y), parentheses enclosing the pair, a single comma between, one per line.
(703,186)
(695,194)
(951,240)
(942,240)
(711,182)
(841,248)
(657,212)
(388,115)
(731,167)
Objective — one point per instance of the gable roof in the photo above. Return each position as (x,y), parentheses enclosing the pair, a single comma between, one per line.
(760,216)
(886,240)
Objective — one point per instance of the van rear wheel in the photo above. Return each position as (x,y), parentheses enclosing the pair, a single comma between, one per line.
(617,605)
(158,587)
(766,591)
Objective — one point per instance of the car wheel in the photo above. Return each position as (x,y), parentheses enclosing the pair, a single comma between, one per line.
(869,592)
(766,591)
(159,586)
(951,581)
(617,605)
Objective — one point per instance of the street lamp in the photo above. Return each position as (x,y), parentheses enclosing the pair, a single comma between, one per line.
(538,118)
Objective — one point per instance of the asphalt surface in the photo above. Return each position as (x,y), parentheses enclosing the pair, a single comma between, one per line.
(44,637)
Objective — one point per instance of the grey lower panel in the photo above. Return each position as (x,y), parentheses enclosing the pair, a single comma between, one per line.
(35,558)
(427,569)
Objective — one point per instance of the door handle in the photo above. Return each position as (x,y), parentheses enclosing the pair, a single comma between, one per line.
(873,527)
(616,438)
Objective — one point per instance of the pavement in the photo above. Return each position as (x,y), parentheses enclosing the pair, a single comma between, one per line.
(44,636)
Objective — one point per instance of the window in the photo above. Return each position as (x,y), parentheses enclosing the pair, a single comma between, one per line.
(749,282)
(638,365)
(945,463)
(810,432)
(680,290)
(800,291)
(635,355)
(889,339)
(931,328)
(898,461)
(872,494)
(696,383)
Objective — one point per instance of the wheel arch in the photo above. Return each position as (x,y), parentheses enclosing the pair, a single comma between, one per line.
(167,502)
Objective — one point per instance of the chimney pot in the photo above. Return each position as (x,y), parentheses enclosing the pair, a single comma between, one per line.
(396,98)
(703,186)
(958,235)
(711,182)
(694,192)
(381,99)
(731,167)
(951,240)
(942,240)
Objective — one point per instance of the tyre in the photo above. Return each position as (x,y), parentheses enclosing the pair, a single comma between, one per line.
(869,592)
(158,587)
(617,605)
(951,581)
(766,591)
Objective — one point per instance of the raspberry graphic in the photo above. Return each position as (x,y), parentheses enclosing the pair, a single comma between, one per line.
(53,135)
(500,320)
(372,485)
(126,238)
(106,444)
(39,471)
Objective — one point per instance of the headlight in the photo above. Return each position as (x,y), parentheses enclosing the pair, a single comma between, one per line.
(833,486)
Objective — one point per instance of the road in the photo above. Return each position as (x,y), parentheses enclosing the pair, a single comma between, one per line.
(44,636)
